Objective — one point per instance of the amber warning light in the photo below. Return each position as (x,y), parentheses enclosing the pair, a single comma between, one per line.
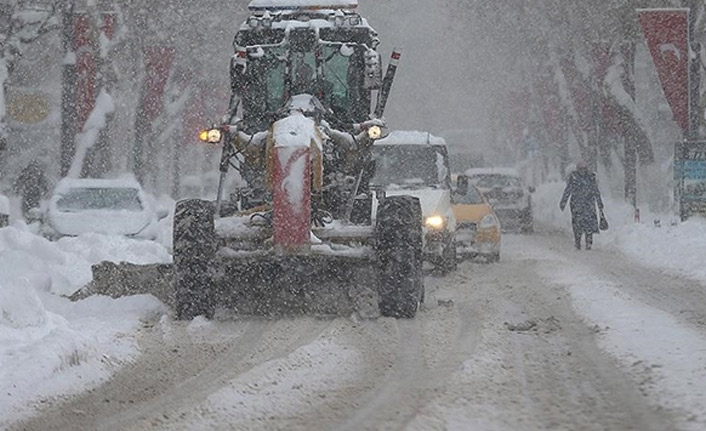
(212,136)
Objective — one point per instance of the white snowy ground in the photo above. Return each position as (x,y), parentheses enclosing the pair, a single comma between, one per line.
(49,345)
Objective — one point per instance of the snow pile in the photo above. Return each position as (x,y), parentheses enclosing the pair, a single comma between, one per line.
(164,229)
(65,265)
(659,241)
(49,345)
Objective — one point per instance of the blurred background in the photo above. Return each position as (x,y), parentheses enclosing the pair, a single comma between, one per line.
(538,85)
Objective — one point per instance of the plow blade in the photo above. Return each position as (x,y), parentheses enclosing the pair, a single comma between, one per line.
(296,285)
(301,285)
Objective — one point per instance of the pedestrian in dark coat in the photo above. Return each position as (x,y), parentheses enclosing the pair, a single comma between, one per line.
(582,189)
(32,186)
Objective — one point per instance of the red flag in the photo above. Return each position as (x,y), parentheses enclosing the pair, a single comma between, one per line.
(667,34)
(83,45)
(158,62)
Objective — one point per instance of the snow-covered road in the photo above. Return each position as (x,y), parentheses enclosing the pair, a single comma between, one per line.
(549,338)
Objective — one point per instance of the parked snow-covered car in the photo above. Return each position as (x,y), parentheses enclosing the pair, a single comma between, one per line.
(4,211)
(506,192)
(417,164)
(107,206)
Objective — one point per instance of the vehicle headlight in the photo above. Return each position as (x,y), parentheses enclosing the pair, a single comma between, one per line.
(374,132)
(435,222)
(488,221)
(212,136)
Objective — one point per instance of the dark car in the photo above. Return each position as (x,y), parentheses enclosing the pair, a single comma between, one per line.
(510,197)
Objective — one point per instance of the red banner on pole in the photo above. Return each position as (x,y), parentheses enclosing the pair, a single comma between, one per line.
(667,35)
(83,46)
(158,64)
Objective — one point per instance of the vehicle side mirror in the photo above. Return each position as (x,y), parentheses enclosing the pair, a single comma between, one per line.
(531,189)
(462,185)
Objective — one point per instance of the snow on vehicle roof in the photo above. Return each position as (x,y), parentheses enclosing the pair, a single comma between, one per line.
(411,137)
(273,5)
(66,184)
(510,172)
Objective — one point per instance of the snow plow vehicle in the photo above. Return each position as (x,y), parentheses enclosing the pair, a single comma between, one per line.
(298,235)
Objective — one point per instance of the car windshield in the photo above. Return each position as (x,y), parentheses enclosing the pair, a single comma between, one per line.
(408,165)
(491,181)
(473,197)
(100,198)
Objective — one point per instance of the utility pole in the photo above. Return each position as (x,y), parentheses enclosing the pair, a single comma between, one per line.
(68,89)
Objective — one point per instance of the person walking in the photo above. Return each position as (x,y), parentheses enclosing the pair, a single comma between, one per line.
(32,186)
(582,190)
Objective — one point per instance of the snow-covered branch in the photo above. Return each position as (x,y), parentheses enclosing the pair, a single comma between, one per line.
(89,136)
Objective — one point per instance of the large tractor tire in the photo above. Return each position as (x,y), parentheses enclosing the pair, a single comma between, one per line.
(194,254)
(449,260)
(399,252)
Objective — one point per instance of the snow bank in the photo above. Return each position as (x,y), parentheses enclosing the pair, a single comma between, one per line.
(49,345)
(65,266)
(658,241)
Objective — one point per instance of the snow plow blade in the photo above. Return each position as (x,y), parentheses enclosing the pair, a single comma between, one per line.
(292,285)
(124,279)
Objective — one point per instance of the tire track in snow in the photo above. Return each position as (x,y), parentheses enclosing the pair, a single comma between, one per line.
(427,351)
(175,372)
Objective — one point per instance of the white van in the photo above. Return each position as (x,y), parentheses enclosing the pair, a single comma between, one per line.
(417,164)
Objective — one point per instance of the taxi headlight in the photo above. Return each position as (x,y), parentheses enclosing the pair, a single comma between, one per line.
(488,221)
(435,222)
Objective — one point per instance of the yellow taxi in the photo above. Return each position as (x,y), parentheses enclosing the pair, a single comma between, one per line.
(477,225)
